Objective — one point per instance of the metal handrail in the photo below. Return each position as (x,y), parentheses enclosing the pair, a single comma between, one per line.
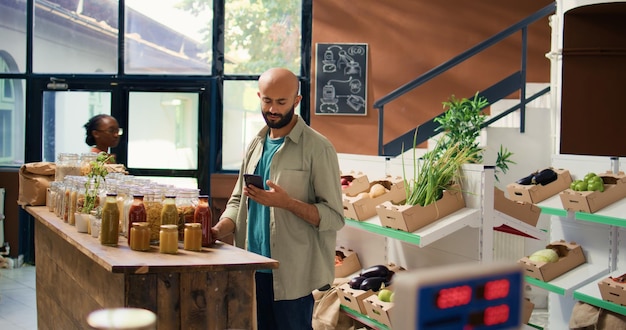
(520,26)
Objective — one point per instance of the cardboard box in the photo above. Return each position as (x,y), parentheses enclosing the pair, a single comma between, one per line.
(350,262)
(592,201)
(409,218)
(613,290)
(537,193)
(378,310)
(523,211)
(362,208)
(353,298)
(527,310)
(358,183)
(570,256)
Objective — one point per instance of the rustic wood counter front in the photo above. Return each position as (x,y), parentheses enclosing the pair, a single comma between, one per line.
(211,289)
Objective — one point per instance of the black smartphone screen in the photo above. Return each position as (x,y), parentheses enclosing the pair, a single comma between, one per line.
(255,180)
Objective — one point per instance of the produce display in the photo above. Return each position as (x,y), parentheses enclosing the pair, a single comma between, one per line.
(373,278)
(542,177)
(591,182)
(385,295)
(544,255)
(346,181)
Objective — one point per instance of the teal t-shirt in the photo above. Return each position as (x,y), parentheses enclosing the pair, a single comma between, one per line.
(259,215)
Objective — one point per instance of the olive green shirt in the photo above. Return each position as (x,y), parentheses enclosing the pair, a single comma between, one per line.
(306,166)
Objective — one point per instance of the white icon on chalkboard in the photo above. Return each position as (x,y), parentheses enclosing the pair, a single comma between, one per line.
(350,65)
(355,102)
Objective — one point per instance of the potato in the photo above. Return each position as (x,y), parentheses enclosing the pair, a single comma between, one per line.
(363,195)
(377,190)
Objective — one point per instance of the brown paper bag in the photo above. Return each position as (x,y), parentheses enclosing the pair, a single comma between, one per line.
(34,180)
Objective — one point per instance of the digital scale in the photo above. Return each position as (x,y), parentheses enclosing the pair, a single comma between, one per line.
(466,297)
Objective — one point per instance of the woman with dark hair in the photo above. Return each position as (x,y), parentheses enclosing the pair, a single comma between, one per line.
(102,132)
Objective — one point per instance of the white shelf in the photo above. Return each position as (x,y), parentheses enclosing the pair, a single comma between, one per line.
(427,234)
(573,279)
(590,293)
(504,219)
(552,205)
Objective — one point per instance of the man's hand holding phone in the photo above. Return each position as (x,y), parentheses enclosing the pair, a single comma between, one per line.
(255,180)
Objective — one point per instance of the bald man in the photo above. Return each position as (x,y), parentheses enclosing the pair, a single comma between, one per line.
(295,218)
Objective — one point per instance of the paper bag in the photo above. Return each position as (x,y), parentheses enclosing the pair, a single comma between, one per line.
(34,180)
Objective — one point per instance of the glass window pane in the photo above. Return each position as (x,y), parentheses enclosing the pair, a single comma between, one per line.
(64,116)
(163,130)
(262,34)
(242,120)
(12,123)
(13,31)
(75,37)
(168,36)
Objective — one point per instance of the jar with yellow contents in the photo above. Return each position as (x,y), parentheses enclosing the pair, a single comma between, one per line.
(168,239)
(193,237)
(140,236)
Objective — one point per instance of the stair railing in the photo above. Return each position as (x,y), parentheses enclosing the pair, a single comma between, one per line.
(515,82)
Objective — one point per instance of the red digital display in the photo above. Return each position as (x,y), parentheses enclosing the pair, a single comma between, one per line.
(496,314)
(452,297)
(496,289)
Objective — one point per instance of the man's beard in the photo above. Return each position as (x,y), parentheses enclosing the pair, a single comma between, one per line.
(284,119)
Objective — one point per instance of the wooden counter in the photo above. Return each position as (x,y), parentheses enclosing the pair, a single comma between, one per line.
(211,289)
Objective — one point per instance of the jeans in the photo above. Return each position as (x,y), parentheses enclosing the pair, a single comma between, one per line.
(294,314)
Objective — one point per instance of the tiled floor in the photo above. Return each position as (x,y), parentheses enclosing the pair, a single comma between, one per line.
(18,302)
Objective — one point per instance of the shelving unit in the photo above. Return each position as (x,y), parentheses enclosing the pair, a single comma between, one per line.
(599,236)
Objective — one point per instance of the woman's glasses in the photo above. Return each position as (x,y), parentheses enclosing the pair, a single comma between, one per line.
(112,131)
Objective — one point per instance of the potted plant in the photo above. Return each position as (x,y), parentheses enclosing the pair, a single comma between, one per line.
(95,179)
(434,190)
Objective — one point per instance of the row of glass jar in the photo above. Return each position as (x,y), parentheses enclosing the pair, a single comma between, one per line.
(73,164)
(68,196)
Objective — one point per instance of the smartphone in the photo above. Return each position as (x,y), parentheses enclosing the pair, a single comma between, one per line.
(253,179)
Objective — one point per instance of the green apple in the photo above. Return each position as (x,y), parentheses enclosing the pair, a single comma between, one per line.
(385,295)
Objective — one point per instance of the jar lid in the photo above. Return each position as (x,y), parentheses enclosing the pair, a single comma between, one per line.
(193,225)
(122,318)
(169,227)
(141,224)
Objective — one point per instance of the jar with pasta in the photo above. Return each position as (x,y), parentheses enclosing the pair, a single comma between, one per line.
(66,164)
(186,201)
(154,204)
(85,162)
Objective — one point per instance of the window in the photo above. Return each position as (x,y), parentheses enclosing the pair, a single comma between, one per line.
(80,39)
(64,115)
(163,130)
(258,36)
(164,36)
(12,110)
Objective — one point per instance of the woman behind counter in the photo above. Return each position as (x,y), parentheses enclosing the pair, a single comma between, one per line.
(102,132)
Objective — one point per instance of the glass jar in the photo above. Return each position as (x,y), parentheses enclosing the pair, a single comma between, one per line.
(67,164)
(139,236)
(51,195)
(186,201)
(58,199)
(122,191)
(66,199)
(203,216)
(137,213)
(153,204)
(193,237)
(169,213)
(168,239)
(109,229)
(85,162)
(74,189)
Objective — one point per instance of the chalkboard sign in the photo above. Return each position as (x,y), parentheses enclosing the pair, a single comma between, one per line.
(341,79)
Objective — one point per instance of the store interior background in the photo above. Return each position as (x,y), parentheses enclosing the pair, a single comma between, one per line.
(406,38)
